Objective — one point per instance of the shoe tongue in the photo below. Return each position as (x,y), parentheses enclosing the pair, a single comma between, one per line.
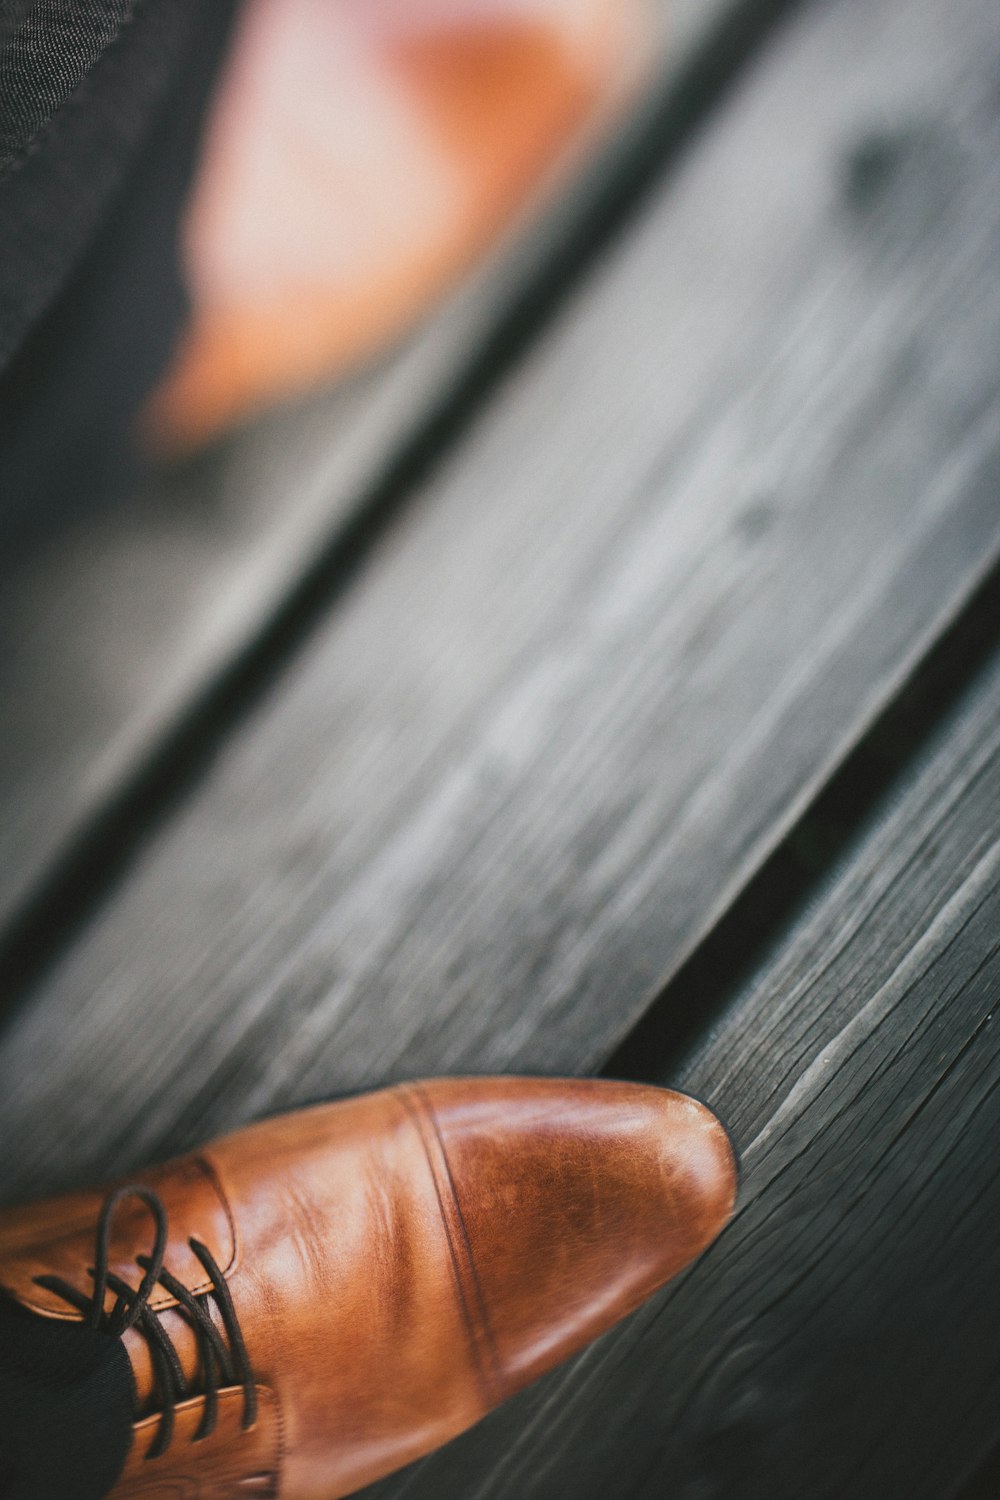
(56,1237)
(178,1330)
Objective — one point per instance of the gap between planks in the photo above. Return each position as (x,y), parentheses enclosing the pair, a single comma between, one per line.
(779,894)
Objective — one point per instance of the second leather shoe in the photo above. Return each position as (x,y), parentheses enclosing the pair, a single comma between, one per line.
(315,1300)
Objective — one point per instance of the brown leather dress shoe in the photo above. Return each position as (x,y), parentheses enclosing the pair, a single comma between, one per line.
(318,1299)
(360,157)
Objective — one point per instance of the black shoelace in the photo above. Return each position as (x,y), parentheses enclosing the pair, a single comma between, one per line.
(220,1366)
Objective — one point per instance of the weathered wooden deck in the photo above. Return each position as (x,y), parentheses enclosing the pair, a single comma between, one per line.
(611,682)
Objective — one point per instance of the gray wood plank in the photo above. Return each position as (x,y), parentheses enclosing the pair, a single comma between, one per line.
(112,629)
(842,1336)
(585,684)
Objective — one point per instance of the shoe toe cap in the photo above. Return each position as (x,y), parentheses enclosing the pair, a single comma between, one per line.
(576,1200)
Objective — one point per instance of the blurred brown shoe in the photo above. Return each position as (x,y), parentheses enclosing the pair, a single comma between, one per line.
(335,1292)
(360,156)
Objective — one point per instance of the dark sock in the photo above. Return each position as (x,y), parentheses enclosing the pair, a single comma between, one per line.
(65,1408)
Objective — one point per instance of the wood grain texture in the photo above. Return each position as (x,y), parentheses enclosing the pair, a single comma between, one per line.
(842,1337)
(112,627)
(584,685)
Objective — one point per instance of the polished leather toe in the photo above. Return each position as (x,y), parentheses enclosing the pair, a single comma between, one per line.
(572,1201)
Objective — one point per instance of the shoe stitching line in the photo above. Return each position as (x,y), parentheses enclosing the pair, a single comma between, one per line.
(487,1330)
(279,1468)
(211,1170)
(206,1167)
(415,1109)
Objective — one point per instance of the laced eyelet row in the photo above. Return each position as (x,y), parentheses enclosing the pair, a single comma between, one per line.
(220,1366)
